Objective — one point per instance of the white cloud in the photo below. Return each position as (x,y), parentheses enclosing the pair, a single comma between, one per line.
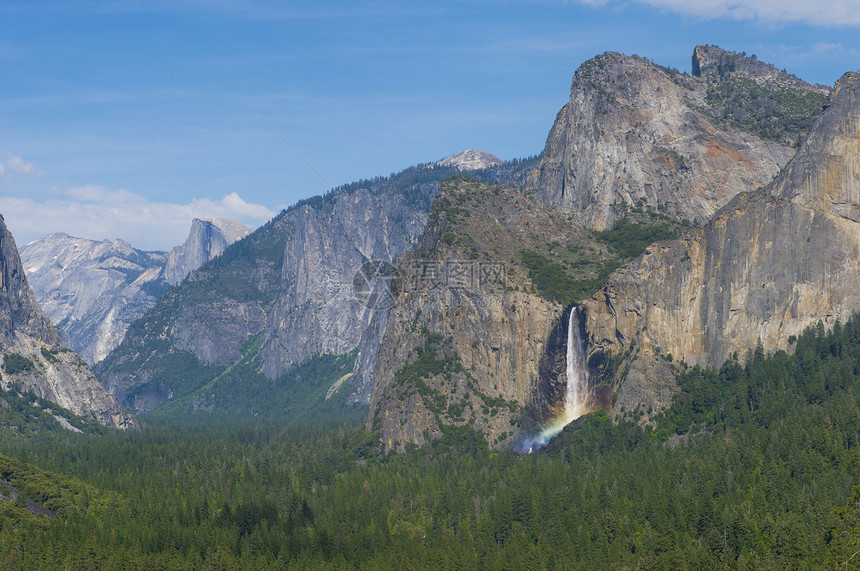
(827,49)
(835,13)
(234,207)
(17,165)
(100,213)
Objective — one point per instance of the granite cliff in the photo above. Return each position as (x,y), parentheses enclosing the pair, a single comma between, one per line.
(475,334)
(280,297)
(92,290)
(768,265)
(635,133)
(33,359)
(638,151)
(207,239)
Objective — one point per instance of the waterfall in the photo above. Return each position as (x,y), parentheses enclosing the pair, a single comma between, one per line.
(576,392)
(577,375)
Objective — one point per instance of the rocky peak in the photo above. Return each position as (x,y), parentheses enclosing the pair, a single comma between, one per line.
(824,173)
(714,64)
(470,160)
(42,366)
(92,290)
(637,134)
(232,230)
(208,238)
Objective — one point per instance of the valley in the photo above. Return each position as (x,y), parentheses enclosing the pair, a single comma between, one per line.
(639,348)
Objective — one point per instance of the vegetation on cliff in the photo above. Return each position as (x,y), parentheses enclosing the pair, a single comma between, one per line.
(31,499)
(757,97)
(563,276)
(781,113)
(14,363)
(24,416)
(542,247)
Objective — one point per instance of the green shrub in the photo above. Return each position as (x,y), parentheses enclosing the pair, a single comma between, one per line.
(556,283)
(779,114)
(15,363)
(49,355)
(629,239)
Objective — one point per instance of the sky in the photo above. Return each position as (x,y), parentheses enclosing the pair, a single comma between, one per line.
(128,118)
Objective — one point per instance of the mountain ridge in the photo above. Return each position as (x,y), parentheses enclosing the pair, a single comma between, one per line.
(92,290)
(283,295)
(469,160)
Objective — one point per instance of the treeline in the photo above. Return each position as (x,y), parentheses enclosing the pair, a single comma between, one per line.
(753,467)
(628,239)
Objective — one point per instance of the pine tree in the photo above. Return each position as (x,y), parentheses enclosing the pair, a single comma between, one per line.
(845,545)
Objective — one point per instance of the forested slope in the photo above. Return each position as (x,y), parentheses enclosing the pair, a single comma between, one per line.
(752,467)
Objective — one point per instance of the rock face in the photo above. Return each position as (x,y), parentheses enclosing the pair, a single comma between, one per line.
(470,160)
(467,341)
(319,313)
(32,355)
(283,295)
(207,239)
(635,133)
(768,265)
(92,290)
(634,140)
(20,316)
(288,287)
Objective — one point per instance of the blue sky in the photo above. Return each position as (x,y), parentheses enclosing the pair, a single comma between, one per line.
(125,119)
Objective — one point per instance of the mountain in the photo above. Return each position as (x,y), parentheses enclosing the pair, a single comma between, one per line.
(768,265)
(470,160)
(280,298)
(92,290)
(477,332)
(468,330)
(34,360)
(635,133)
(496,361)
(207,239)
(321,289)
